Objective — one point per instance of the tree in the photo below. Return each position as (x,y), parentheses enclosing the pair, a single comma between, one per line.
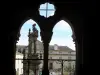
(65,73)
(68,69)
(17,73)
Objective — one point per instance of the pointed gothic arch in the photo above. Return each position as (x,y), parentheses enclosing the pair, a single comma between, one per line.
(26,20)
(61,53)
(20,55)
(70,24)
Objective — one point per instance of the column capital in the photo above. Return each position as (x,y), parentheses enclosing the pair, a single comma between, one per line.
(46,36)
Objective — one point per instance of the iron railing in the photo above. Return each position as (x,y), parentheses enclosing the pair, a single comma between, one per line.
(60,66)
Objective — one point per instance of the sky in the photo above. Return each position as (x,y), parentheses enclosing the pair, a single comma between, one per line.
(62,31)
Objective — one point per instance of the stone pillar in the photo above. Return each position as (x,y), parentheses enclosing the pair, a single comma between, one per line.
(46,37)
(79,54)
(11,54)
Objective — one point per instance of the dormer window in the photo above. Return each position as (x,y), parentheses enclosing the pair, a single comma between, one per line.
(55,47)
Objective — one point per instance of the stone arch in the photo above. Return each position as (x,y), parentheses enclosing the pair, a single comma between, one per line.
(72,29)
(25,20)
(20,27)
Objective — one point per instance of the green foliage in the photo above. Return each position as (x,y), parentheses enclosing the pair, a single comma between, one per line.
(65,73)
(17,73)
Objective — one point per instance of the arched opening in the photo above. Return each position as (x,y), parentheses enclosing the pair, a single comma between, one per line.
(62,51)
(29,49)
(23,39)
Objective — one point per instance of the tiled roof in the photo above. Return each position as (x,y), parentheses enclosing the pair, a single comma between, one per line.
(21,47)
(51,47)
(64,48)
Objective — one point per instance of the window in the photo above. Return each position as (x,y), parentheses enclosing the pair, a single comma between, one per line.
(47,10)
(21,70)
(50,57)
(17,72)
(19,50)
(60,57)
(50,51)
(21,61)
(60,52)
(69,52)
(51,66)
(69,57)
(40,55)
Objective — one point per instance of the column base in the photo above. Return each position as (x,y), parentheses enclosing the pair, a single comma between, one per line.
(45,72)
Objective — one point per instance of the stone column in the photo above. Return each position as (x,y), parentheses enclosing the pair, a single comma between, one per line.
(46,37)
(79,54)
(11,56)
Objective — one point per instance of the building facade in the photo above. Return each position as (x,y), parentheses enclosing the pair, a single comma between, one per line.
(56,53)
(19,63)
(61,58)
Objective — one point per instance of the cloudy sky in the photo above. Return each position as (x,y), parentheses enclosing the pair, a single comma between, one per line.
(61,32)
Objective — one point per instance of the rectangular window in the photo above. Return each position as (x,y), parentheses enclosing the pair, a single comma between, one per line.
(21,70)
(60,57)
(69,57)
(50,57)
(51,66)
